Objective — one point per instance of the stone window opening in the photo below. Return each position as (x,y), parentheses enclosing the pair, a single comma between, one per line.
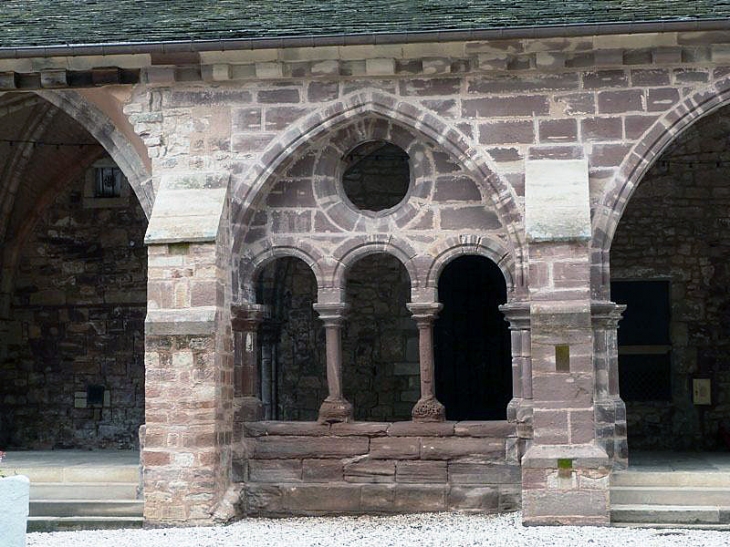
(472,345)
(376,177)
(292,377)
(381,375)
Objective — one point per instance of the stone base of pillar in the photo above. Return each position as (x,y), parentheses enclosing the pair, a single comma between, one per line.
(611,430)
(248,409)
(428,410)
(519,412)
(335,410)
(565,485)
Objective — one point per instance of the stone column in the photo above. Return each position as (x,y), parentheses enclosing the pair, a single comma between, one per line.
(188,352)
(335,407)
(610,408)
(565,472)
(428,408)
(245,320)
(519,409)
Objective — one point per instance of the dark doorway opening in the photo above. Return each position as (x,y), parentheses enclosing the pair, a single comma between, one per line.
(472,341)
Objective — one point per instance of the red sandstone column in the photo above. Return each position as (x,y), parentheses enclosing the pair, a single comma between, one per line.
(519,409)
(335,407)
(428,408)
(245,320)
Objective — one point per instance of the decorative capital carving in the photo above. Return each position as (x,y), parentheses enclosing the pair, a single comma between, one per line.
(517,314)
(606,314)
(425,312)
(332,314)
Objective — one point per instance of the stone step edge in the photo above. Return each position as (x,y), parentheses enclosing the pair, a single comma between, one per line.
(71,501)
(82,520)
(667,508)
(670,526)
(665,479)
(643,488)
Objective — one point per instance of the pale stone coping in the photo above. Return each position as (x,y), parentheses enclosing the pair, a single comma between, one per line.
(582,456)
(382,59)
(189,207)
(557,200)
(484,428)
(184,321)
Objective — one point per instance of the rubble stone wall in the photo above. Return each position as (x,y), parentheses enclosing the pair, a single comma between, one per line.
(78,312)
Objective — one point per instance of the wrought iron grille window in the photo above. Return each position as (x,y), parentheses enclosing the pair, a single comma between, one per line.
(108,182)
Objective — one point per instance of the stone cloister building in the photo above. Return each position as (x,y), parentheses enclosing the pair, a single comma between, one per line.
(318,275)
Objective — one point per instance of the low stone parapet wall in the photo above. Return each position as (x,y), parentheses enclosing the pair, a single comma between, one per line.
(307,468)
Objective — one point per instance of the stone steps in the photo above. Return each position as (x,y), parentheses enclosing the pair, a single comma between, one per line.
(73,492)
(669,499)
(662,495)
(54,524)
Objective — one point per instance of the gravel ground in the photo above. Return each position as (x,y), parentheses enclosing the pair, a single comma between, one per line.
(446,529)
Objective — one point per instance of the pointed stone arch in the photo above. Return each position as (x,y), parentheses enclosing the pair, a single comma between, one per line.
(368,103)
(640,159)
(116,142)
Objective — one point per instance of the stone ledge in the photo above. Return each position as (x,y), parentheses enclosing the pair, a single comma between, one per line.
(499,429)
(186,321)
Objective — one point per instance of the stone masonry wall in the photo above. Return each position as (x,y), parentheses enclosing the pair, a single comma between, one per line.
(675,228)
(365,467)
(78,319)
(380,342)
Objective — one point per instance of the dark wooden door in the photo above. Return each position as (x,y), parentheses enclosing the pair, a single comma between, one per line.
(472,341)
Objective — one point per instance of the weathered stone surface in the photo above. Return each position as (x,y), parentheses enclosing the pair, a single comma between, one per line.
(368,470)
(421,498)
(421,472)
(557,200)
(318,499)
(476,472)
(274,470)
(395,448)
(307,447)
(456,447)
(483,500)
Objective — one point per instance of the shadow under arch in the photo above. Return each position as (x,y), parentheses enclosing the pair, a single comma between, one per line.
(455,247)
(116,142)
(418,120)
(352,251)
(642,157)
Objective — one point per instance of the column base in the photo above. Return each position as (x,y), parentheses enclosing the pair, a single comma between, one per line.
(565,485)
(428,410)
(334,411)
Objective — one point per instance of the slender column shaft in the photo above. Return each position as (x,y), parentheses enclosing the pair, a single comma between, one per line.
(335,407)
(428,408)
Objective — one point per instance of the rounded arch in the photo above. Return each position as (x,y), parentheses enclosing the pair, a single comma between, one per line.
(643,155)
(455,247)
(264,252)
(347,254)
(418,120)
(115,142)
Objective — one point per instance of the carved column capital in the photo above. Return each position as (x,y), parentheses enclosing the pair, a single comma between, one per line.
(606,314)
(517,314)
(424,312)
(332,313)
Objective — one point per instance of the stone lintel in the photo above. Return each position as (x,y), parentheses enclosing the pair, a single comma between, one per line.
(180,322)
